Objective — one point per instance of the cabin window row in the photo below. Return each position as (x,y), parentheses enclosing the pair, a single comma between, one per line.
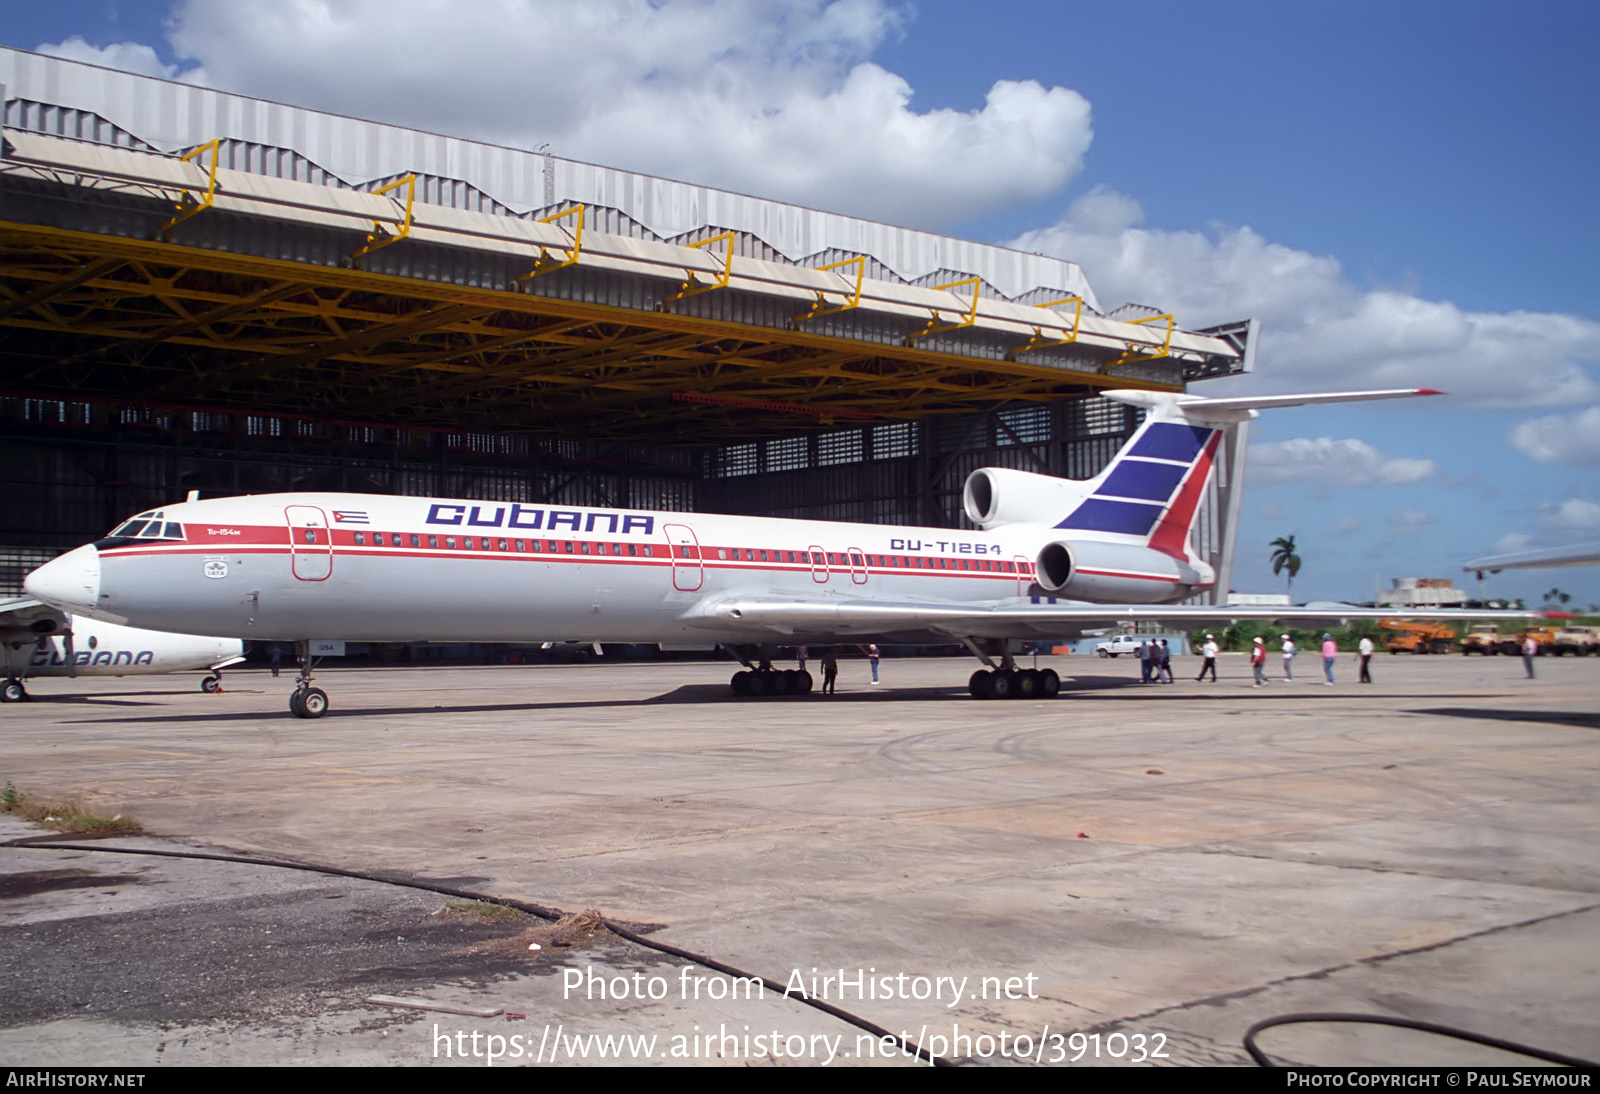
(645,550)
(488,543)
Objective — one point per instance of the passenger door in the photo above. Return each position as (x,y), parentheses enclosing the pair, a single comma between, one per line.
(688,572)
(310,543)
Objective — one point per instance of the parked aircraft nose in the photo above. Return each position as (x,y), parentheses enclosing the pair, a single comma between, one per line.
(71,582)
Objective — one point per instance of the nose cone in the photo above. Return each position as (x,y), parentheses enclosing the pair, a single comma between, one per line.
(71,582)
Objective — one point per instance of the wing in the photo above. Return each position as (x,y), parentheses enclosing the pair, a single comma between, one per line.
(23,619)
(1018,618)
(1579,554)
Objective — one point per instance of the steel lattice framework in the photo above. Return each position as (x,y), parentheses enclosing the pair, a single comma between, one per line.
(134,276)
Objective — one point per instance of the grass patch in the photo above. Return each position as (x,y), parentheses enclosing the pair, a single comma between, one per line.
(480,911)
(68,816)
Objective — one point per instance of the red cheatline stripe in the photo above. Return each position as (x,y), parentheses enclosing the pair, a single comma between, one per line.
(1171,536)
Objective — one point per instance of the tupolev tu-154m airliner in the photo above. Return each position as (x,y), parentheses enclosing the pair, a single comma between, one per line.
(1051,557)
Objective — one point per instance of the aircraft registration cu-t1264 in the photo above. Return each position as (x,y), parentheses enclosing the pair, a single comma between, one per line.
(1051,557)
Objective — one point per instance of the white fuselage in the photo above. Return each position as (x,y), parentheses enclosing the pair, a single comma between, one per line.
(375,568)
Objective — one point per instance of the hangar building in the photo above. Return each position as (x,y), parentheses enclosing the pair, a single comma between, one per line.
(205,291)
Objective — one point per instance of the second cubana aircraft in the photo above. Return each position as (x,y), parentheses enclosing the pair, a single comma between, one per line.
(1052,557)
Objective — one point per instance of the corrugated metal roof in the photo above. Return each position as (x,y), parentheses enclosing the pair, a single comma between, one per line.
(69,98)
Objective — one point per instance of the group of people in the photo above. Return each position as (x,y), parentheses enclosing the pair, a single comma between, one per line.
(1155,662)
(830,665)
(1258,659)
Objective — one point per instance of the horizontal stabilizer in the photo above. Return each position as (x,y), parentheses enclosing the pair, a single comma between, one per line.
(1242,408)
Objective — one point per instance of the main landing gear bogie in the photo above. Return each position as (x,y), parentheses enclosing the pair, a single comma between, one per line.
(1014,684)
(774,682)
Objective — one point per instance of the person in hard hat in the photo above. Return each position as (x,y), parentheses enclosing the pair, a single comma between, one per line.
(1209,651)
(1258,661)
(1289,650)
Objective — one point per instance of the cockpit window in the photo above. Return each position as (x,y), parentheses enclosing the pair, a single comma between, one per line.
(148,526)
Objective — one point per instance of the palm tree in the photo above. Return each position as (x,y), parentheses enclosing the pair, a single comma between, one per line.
(1284,558)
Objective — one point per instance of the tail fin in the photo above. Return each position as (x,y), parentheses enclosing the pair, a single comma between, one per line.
(1151,491)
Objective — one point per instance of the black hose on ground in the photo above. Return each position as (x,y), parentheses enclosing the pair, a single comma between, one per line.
(1401,1023)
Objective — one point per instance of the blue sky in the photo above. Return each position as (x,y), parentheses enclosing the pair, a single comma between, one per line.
(1402,193)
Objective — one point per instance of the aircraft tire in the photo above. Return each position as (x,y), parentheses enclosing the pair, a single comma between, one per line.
(1049,683)
(978,684)
(314,702)
(775,683)
(1002,685)
(743,682)
(210,684)
(806,683)
(1026,683)
(294,705)
(13,692)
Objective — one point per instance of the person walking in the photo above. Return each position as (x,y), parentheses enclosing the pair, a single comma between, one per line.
(830,672)
(1289,650)
(1330,654)
(1530,650)
(1365,651)
(800,655)
(1147,660)
(1164,672)
(1258,662)
(872,657)
(1209,651)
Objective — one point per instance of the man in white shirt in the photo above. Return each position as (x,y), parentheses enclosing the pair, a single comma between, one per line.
(1209,651)
(1289,651)
(1365,650)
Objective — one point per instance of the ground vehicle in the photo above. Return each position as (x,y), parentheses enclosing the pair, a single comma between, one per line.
(1417,637)
(1580,641)
(1122,643)
(1485,638)
(1544,636)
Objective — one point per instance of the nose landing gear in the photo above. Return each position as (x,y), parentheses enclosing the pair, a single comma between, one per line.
(306,701)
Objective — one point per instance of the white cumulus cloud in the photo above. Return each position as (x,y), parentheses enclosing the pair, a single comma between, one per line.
(1329,462)
(1572,515)
(1318,327)
(1408,522)
(127,56)
(1561,438)
(772,97)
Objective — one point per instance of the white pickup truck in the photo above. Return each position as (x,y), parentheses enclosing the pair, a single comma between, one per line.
(1581,641)
(1123,643)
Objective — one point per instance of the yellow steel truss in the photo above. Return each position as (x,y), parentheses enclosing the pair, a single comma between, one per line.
(118,317)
